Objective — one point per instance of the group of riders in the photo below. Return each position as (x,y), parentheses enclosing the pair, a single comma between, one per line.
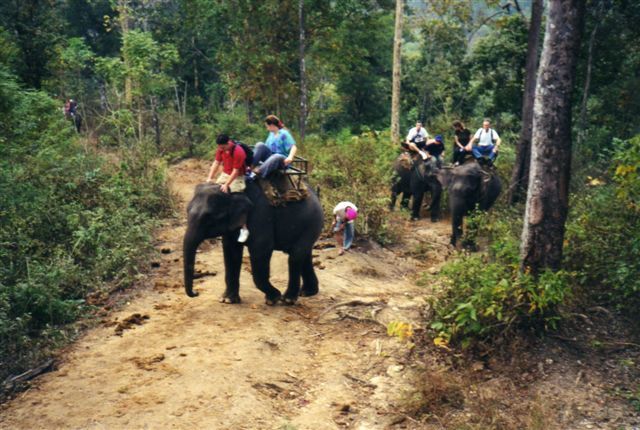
(235,163)
(482,146)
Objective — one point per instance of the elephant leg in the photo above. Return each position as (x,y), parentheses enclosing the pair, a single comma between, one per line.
(296,261)
(436,198)
(457,215)
(417,203)
(405,200)
(232,251)
(261,271)
(309,278)
(394,195)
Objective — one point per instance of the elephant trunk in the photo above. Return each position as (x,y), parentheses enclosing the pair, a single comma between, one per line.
(189,247)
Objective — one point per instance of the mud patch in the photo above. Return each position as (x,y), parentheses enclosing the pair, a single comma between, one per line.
(130,322)
(148,363)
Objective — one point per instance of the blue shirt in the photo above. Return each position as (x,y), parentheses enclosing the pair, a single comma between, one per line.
(280,144)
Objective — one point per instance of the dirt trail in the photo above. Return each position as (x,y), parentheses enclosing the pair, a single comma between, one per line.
(196,363)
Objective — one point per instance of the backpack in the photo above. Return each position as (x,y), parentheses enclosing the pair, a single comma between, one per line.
(248,161)
(493,141)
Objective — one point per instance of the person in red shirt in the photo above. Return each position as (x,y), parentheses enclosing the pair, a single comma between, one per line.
(230,165)
(230,160)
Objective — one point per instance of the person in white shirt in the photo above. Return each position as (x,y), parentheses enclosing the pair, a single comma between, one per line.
(344,214)
(417,138)
(488,142)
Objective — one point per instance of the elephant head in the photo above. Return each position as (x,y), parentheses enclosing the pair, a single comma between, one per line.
(425,178)
(401,182)
(211,213)
(470,187)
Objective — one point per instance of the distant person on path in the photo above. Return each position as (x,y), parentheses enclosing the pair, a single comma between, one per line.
(344,214)
(416,139)
(73,106)
(229,159)
(488,143)
(462,136)
(278,150)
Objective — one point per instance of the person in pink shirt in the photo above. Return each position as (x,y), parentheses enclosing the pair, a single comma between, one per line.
(343,226)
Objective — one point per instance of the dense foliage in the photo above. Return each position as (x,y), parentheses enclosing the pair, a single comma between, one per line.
(71,223)
(481,296)
(357,167)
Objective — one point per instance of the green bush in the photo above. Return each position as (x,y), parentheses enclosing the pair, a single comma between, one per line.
(71,222)
(358,169)
(481,296)
(603,231)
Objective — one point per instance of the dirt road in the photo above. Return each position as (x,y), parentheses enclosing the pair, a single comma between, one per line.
(325,363)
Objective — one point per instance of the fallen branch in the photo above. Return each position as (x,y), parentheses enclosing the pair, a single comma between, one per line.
(29,374)
(600,309)
(350,303)
(359,381)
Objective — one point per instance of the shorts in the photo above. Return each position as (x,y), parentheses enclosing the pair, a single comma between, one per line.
(237,186)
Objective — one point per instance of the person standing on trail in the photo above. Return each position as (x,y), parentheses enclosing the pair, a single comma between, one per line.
(416,139)
(344,214)
(488,143)
(229,159)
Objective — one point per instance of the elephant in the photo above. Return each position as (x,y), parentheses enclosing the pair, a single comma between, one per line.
(293,228)
(414,177)
(425,177)
(469,187)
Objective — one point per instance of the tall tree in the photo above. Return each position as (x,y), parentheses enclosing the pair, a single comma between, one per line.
(520,175)
(395,92)
(36,28)
(599,16)
(548,195)
(303,71)
(123,17)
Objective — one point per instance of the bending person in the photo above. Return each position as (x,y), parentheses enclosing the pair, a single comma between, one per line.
(344,214)
(277,152)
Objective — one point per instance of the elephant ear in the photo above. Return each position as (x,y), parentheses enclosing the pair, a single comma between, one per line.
(239,206)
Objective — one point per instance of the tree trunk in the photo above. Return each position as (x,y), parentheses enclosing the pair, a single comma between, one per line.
(520,175)
(155,119)
(123,15)
(140,118)
(395,94)
(548,195)
(582,121)
(303,72)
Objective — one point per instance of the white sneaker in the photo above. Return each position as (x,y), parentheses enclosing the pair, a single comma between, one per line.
(244,235)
